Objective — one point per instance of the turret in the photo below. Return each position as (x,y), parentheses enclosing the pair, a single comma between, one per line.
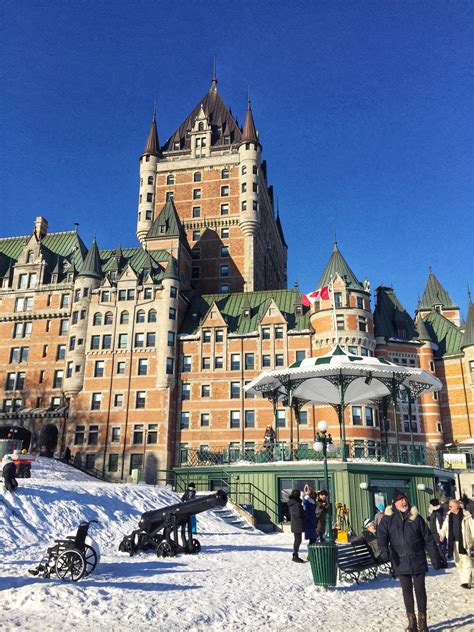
(168,326)
(250,158)
(148,162)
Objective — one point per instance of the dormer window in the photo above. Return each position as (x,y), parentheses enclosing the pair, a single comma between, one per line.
(200,126)
(170,179)
(201,141)
(169,195)
(30,256)
(162,229)
(298,310)
(338,299)
(246,313)
(438,308)
(176,145)
(226,140)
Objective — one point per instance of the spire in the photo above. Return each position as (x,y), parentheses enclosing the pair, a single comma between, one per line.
(167,223)
(92,266)
(171,271)
(338,265)
(152,146)
(249,133)
(213,87)
(468,336)
(334,247)
(435,294)
(423,333)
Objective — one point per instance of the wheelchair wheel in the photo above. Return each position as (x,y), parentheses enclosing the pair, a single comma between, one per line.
(196,546)
(90,558)
(165,549)
(70,565)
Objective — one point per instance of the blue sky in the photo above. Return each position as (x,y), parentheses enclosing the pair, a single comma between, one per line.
(364,110)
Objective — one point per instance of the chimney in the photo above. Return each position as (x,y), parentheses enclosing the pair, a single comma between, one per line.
(41,227)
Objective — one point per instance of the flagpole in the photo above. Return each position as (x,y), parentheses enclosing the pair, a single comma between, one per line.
(334,320)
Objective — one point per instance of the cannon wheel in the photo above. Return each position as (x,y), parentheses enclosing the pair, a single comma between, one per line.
(196,546)
(90,558)
(165,549)
(70,565)
(127,545)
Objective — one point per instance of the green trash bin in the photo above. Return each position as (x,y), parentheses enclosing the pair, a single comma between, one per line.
(323,560)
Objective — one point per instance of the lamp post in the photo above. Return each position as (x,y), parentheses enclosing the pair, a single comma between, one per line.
(323,556)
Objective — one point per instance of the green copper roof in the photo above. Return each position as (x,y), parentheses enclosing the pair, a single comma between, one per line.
(391,320)
(423,333)
(66,244)
(167,224)
(337,264)
(171,271)
(435,294)
(138,258)
(468,336)
(232,306)
(92,266)
(447,336)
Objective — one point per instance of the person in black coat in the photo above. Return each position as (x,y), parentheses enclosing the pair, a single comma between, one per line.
(403,537)
(190,494)
(9,474)
(297,519)
(322,508)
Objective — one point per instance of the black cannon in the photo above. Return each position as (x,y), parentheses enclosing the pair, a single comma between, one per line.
(158,529)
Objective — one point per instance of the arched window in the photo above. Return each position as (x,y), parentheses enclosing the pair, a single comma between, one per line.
(140,316)
(225,174)
(30,256)
(152,316)
(97,319)
(170,179)
(124,316)
(244,170)
(108,318)
(200,126)
(150,179)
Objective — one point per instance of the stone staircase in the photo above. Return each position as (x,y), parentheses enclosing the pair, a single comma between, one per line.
(230,515)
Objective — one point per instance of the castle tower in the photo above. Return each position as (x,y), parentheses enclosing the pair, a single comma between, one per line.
(435,297)
(148,162)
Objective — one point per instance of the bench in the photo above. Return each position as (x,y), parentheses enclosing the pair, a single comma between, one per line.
(355,561)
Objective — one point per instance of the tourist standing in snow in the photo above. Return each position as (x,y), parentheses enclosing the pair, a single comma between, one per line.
(458,529)
(309,506)
(403,537)
(436,518)
(297,519)
(190,494)
(322,508)
(9,474)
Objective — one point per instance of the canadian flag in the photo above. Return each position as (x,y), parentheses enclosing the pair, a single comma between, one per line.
(321,294)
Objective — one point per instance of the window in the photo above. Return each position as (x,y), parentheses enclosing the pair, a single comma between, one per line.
(279,359)
(303,417)
(23,330)
(362,323)
(58,379)
(243,206)
(97,320)
(61,352)
(235,390)
(432,366)
(106,341)
(224,233)
(19,355)
(255,205)
(96,401)
(204,419)
(205,390)
(130,295)
(143,366)
(105,296)
(64,300)
(140,399)
(206,335)
(196,235)
(108,318)
(196,194)
(45,351)
(224,271)
(300,356)
(185,391)
(197,177)
(369,417)
(339,321)
(93,436)
(170,179)
(364,351)
(266,361)
(137,435)
(235,418)
(118,400)
(235,362)
(171,338)
(281,418)
(63,327)
(218,362)
(219,335)
(115,434)
(123,341)
(279,332)
(352,349)
(79,435)
(249,418)
(206,363)
(99,368)
(184,419)
(124,318)
(225,191)
(224,288)
(244,187)
(357,415)
(22,281)
(338,299)
(121,368)
(122,295)
(225,174)
(30,257)
(113,462)
(224,209)
(152,435)
(140,318)
(249,361)
(169,366)
(172,313)
(255,187)
(265,333)
(360,303)
(227,140)
(10,382)
(187,367)
(139,340)
(196,211)
(68,372)
(75,317)
(151,339)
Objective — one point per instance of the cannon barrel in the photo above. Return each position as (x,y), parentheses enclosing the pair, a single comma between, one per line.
(182,511)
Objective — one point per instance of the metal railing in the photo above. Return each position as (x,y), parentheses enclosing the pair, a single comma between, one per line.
(355,451)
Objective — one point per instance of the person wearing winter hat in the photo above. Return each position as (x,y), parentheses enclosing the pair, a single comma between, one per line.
(436,518)
(9,473)
(458,529)
(190,494)
(297,520)
(403,537)
(369,538)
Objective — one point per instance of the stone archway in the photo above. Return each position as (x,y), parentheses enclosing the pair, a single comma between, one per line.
(18,435)
(48,440)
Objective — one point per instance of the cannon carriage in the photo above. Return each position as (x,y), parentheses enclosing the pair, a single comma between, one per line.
(168,530)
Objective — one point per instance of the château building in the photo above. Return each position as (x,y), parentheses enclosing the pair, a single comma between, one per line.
(136,358)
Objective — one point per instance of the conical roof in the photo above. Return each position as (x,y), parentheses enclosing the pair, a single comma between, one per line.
(152,146)
(391,319)
(249,133)
(423,333)
(468,336)
(92,266)
(172,271)
(167,224)
(337,264)
(435,294)
(280,229)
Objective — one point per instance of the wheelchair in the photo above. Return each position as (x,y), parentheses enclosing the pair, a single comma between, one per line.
(70,559)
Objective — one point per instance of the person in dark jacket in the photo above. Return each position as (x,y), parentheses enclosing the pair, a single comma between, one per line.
(297,519)
(369,538)
(403,537)
(436,518)
(322,508)
(309,506)
(9,474)
(190,494)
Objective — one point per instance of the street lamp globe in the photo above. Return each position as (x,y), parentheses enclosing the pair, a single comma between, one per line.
(323,426)
(331,448)
(318,446)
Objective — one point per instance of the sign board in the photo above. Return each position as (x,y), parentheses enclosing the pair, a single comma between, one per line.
(454,461)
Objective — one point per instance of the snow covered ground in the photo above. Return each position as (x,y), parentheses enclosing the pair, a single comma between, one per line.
(242,580)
